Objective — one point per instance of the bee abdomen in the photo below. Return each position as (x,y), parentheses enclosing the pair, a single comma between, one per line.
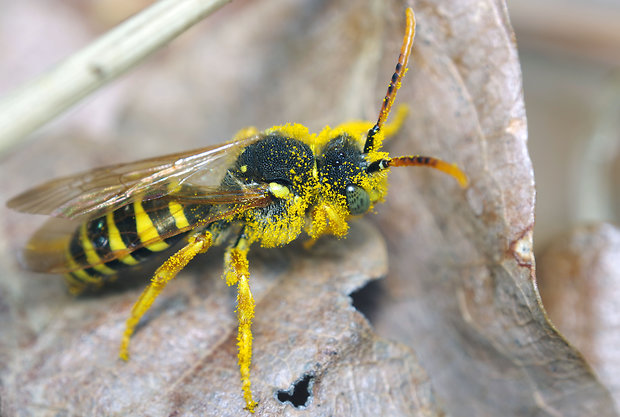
(101,247)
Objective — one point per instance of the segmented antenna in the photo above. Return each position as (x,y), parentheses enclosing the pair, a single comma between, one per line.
(429,161)
(401,68)
(420,160)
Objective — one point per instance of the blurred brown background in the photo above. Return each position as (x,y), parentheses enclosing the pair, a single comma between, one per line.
(570,55)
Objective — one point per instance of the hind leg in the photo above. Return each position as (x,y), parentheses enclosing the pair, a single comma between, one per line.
(196,244)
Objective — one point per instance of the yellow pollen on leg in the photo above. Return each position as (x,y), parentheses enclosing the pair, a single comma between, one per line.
(245,314)
(237,272)
(164,273)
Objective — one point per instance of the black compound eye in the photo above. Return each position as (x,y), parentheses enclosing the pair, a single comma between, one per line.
(358,199)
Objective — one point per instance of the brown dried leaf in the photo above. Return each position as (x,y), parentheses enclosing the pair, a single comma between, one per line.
(460,290)
(184,356)
(461,269)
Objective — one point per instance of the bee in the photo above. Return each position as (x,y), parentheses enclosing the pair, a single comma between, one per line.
(262,188)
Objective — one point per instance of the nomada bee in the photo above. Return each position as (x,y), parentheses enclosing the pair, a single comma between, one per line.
(262,187)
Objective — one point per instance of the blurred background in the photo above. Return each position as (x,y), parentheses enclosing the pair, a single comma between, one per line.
(570,56)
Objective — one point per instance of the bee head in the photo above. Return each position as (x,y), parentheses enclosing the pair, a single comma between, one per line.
(352,168)
(344,179)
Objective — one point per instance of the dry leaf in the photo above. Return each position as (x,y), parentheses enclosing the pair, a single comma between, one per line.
(460,290)
(461,268)
(184,355)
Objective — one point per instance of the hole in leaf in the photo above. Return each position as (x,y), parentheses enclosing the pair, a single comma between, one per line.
(367,299)
(299,394)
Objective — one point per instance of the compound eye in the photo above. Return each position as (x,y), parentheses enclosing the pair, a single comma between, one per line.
(358,200)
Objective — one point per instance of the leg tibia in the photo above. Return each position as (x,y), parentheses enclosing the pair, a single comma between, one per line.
(236,272)
(164,273)
(245,314)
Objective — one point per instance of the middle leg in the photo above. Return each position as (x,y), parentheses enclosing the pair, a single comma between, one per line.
(237,272)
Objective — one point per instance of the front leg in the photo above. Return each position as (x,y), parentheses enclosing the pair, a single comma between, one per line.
(237,272)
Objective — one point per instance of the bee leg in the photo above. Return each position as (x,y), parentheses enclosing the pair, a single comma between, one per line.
(359,128)
(325,220)
(309,244)
(246,132)
(196,244)
(392,128)
(237,272)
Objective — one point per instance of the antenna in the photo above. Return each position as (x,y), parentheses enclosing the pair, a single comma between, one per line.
(399,72)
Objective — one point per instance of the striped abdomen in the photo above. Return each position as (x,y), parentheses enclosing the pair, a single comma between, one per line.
(125,237)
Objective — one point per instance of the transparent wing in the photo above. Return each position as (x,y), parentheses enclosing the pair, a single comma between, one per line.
(93,193)
(46,251)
